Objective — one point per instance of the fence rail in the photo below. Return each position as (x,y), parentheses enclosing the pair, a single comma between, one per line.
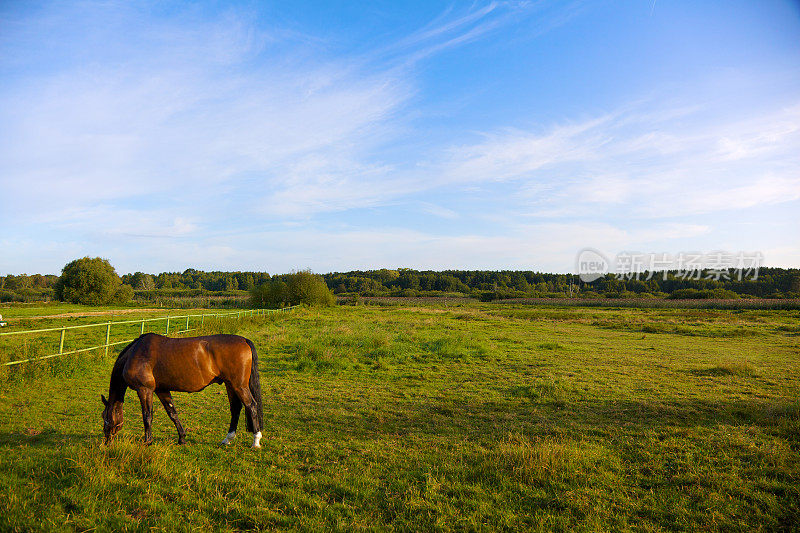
(202,317)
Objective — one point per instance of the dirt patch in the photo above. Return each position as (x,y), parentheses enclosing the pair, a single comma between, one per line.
(95,313)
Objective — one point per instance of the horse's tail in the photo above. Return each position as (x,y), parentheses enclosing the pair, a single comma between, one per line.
(255,391)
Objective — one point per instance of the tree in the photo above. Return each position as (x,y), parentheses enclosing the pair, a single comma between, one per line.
(140,280)
(794,284)
(230,283)
(308,288)
(90,281)
(302,287)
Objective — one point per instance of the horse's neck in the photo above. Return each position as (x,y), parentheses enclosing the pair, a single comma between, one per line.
(117,386)
(116,391)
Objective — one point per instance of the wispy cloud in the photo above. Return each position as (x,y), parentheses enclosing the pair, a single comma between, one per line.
(673,166)
(189,124)
(188,114)
(439,211)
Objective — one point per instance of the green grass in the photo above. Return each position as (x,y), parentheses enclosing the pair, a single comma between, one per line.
(478,417)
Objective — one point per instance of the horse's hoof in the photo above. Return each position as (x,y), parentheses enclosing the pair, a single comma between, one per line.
(181,442)
(228,438)
(256,446)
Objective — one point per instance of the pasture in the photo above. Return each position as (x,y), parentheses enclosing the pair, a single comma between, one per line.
(466,417)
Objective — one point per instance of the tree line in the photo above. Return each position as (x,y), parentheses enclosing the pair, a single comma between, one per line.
(494,284)
(483,284)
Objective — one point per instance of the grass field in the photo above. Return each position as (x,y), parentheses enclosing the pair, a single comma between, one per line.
(470,417)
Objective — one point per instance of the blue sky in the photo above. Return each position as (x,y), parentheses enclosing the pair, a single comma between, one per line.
(336,136)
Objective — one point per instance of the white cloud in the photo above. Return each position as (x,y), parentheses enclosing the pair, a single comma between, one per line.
(770,138)
(549,246)
(439,211)
(517,154)
(762,190)
(650,166)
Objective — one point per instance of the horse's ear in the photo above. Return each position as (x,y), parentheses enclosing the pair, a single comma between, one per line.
(103,399)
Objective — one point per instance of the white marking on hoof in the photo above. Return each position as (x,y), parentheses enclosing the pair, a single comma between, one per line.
(256,439)
(228,438)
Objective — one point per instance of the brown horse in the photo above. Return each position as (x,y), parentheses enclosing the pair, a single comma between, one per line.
(157,364)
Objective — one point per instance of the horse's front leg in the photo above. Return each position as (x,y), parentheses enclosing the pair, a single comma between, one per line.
(146,399)
(169,407)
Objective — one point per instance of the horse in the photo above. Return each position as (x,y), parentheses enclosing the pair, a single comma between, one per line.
(157,364)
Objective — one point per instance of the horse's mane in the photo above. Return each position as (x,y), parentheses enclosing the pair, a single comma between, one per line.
(118,384)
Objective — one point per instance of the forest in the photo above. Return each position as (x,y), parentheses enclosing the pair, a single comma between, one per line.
(482,284)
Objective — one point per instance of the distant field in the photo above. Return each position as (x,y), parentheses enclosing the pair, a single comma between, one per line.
(643,302)
(16,313)
(426,417)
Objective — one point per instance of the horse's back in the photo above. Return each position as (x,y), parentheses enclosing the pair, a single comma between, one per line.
(186,364)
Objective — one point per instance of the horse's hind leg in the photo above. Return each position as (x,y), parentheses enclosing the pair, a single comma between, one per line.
(252,411)
(146,399)
(169,407)
(236,409)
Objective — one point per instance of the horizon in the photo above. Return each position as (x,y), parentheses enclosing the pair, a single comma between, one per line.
(395,269)
(495,136)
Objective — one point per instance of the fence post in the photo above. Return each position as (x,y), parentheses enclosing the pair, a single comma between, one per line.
(187,322)
(166,332)
(108,336)
(61,344)
(202,319)
(142,327)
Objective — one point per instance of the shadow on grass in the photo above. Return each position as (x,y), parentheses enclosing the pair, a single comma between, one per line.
(489,420)
(42,438)
(731,369)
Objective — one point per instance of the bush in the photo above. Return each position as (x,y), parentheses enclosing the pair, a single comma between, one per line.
(302,287)
(9,296)
(124,294)
(705,294)
(274,293)
(502,294)
(90,281)
(590,294)
(308,288)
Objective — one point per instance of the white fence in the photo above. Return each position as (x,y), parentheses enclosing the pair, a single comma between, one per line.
(181,320)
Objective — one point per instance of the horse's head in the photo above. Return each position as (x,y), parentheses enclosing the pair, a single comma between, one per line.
(112,417)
